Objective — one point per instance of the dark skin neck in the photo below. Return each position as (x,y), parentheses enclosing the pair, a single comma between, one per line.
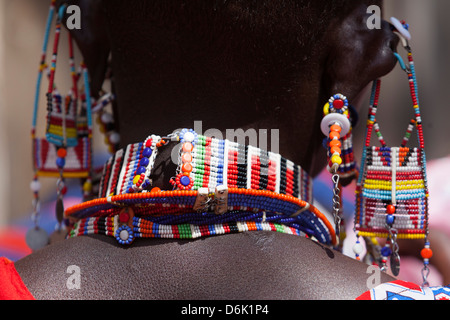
(245,64)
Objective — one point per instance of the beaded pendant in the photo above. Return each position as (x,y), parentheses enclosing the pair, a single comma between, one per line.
(67,142)
(65,151)
(392,192)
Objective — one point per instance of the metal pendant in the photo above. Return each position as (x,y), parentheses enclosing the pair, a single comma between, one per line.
(59,208)
(395,263)
(36,238)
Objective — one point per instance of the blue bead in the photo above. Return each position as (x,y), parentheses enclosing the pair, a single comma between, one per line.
(141,170)
(386,251)
(184,180)
(60,162)
(144,162)
(147,152)
(390,219)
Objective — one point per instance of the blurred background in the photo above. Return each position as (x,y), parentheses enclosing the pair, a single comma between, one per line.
(22,25)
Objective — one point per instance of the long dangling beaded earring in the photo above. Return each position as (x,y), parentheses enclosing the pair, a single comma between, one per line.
(65,152)
(336,125)
(392,192)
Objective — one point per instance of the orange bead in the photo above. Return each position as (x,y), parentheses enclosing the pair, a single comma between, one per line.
(155,189)
(390,209)
(186,157)
(335,128)
(334,135)
(62,152)
(426,253)
(335,150)
(187,147)
(335,143)
(186,167)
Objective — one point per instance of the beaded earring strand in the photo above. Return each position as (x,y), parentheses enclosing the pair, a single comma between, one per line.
(65,152)
(392,193)
(336,126)
(37,237)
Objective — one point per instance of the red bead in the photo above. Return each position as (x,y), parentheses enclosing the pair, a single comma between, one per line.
(390,209)
(338,103)
(62,152)
(124,217)
(426,253)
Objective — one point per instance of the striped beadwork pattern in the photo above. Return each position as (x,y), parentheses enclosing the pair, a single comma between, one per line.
(78,159)
(176,207)
(263,189)
(392,175)
(143,228)
(217,162)
(264,192)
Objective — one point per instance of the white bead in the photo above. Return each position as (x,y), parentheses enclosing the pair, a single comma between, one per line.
(114,138)
(189,137)
(123,235)
(35,185)
(333,118)
(358,248)
(398,25)
(107,118)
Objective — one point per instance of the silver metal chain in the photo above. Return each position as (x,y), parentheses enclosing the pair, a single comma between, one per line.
(336,202)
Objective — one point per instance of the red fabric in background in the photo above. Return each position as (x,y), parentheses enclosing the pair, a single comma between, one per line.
(11,285)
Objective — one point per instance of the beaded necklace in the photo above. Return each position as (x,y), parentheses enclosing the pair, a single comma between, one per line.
(219,187)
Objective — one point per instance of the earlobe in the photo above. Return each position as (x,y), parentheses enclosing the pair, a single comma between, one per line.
(358,54)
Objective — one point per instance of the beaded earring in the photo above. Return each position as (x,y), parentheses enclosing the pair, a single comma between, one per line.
(336,125)
(65,152)
(392,192)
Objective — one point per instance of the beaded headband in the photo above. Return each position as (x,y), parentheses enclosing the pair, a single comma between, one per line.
(217,184)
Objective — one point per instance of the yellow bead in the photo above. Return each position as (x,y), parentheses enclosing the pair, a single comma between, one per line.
(326,108)
(136,179)
(87,186)
(336,159)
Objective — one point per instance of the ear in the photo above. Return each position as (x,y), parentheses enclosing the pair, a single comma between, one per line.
(358,54)
(91,39)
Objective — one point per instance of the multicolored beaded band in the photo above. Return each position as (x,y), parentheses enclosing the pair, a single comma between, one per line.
(392,176)
(215,180)
(180,204)
(143,228)
(208,163)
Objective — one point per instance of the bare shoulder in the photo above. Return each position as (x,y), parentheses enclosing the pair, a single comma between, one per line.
(253,265)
